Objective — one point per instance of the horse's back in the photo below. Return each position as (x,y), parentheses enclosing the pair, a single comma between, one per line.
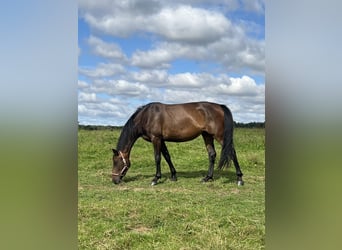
(182,122)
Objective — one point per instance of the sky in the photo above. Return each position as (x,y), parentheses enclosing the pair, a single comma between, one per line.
(133,52)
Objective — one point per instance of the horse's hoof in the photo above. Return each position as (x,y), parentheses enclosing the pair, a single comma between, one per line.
(240,183)
(206,179)
(153,183)
(173,179)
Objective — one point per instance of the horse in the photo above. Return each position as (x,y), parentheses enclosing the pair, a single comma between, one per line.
(157,123)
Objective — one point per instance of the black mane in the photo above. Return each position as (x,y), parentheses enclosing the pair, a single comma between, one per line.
(130,132)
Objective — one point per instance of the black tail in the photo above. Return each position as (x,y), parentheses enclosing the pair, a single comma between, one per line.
(227,146)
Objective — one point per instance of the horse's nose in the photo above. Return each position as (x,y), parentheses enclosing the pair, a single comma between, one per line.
(116,180)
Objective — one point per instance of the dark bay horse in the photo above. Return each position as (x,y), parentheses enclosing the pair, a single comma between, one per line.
(157,123)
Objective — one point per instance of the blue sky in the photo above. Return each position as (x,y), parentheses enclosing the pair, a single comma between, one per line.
(134,52)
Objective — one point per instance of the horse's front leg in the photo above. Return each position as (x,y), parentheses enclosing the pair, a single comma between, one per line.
(157,156)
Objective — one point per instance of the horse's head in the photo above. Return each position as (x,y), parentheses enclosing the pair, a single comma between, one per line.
(121,165)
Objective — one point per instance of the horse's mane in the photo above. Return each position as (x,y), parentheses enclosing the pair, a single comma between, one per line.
(130,132)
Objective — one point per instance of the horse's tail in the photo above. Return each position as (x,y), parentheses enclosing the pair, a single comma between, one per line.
(227,146)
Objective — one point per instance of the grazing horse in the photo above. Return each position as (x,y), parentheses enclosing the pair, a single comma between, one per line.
(157,123)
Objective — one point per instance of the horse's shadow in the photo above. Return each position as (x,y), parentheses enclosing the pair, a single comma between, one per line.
(228,175)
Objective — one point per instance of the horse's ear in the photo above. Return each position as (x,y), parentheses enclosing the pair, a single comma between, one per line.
(116,153)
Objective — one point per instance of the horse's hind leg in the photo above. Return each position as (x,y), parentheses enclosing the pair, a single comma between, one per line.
(209,144)
(167,157)
(237,167)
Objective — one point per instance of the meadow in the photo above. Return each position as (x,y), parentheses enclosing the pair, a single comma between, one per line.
(186,214)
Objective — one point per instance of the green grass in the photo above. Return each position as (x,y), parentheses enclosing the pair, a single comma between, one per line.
(186,214)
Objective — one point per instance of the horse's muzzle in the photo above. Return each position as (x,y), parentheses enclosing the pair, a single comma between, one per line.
(116,180)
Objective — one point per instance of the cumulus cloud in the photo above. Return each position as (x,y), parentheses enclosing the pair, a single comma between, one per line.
(127,75)
(192,80)
(131,89)
(82,84)
(104,49)
(189,25)
(119,87)
(104,113)
(163,54)
(197,85)
(244,86)
(158,58)
(86,97)
(182,96)
(150,77)
(231,52)
(178,23)
(103,109)
(102,70)
(186,32)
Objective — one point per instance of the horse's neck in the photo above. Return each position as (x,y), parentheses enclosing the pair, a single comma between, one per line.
(127,140)
(127,148)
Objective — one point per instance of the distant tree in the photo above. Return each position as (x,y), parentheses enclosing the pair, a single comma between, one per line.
(98,127)
(249,125)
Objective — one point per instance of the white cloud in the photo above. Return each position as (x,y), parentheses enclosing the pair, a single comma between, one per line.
(129,75)
(182,96)
(253,56)
(192,80)
(158,58)
(241,94)
(86,97)
(117,101)
(124,87)
(150,77)
(107,50)
(244,86)
(178,23)
(103,70)
(233,53)
(119,87)
(104,113)
(238,52)
(185,31)
(189,25)
(163,54)
(82,84)
(104,109)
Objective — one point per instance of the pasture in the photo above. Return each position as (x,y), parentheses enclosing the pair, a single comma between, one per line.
(186,214)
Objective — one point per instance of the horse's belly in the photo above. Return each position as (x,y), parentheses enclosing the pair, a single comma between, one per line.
(181,135)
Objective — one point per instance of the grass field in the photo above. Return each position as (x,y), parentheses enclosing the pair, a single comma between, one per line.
(186,214)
